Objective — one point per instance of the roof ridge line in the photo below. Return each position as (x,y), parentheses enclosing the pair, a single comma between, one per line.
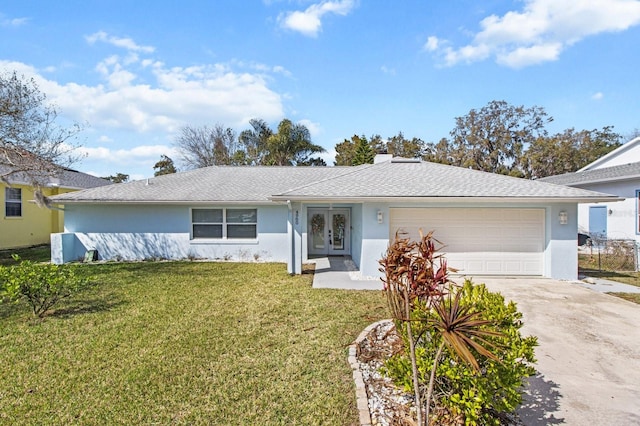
(348,171)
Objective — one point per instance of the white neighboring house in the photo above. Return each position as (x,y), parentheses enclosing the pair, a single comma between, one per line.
(616,173)
(491,224)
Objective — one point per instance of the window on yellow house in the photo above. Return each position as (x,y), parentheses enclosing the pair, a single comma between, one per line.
(13,202)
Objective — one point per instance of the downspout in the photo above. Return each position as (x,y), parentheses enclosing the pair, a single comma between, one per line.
(290,236)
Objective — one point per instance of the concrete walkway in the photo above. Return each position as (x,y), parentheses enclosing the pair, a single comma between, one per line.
(606,286)
(340,272)
(589,354)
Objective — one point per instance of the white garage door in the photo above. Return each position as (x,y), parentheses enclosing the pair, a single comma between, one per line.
(480,241)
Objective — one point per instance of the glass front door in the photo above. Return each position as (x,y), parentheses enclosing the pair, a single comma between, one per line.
(328,232)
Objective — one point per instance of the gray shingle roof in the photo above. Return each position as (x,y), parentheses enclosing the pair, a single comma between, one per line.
(606,174)
(388,180)
(209,184)
(65,178)
(432,180)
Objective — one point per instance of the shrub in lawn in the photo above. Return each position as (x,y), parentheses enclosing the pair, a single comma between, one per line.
(40,285)
(464,354)
(483,395)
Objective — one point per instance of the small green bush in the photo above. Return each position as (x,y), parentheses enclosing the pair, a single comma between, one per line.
(460,392)
(40,285)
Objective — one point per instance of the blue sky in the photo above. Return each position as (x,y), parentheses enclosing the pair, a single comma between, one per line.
(135,73)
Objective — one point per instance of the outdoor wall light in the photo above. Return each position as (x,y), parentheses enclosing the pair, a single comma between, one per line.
(563,217)
(380,217)
(610,212)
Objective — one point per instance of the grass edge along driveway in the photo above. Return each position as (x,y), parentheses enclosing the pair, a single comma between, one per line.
(186,343)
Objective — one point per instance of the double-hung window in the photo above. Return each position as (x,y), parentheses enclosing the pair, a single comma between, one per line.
(224,223)
(13,202)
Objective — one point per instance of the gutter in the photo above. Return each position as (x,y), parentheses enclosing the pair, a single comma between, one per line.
(165,202)
(469,199)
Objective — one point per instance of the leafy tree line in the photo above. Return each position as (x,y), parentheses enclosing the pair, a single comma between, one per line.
(288,145)
(498,138)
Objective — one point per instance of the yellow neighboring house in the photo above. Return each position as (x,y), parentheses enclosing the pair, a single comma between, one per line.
(23,223)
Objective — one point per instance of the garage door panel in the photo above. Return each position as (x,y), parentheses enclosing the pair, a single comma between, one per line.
(483,240)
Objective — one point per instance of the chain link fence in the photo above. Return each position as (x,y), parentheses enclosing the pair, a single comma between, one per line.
(603,254)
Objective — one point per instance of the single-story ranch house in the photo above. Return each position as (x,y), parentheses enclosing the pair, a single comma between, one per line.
(490,224)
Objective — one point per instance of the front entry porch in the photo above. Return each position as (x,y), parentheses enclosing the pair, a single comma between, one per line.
(340,272)
(329,232)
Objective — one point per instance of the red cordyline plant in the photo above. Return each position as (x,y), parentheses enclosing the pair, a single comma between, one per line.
(417,278)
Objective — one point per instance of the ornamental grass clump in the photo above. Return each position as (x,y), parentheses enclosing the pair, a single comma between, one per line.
(42,286)
(464,358)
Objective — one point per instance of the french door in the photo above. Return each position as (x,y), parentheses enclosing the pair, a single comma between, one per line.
(328,232)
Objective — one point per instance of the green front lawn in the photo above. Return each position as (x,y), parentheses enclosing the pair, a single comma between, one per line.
(631,297)
(37,254)
(186,343)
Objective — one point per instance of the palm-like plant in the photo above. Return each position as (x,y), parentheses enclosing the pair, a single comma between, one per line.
(417,281)
(462,332)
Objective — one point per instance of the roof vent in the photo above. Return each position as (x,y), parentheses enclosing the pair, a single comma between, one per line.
(405,160)
(381,158)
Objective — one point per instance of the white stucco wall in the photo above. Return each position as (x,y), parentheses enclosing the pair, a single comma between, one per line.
(375,238)
(136,232)
(622,216)
(161,231)
(560,253)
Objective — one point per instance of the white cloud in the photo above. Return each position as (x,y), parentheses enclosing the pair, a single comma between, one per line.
(147,95)
(387,70)
(12,22)
(432,44)
(329,156)
(125,43)
(127,156)
(597,96)
(540,32)
(308,22)
(112,161)
(314,128)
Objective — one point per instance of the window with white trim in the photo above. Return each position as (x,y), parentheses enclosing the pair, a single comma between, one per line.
(224,223)
(13,202)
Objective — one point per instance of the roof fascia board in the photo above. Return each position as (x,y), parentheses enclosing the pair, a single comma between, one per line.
(607,180)
(161,202)
(470,200)
(624,147)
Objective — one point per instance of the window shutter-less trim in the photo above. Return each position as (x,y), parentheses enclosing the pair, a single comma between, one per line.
(224,223)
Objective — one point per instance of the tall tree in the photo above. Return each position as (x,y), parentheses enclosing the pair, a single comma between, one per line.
(492,138)
(31,142)
(207,146)
(568,151)
(378,144)
(399,146)
(255,141)
(438,153)
(364,154)
(164,167)
(346,150)
(290,146)
(118,178)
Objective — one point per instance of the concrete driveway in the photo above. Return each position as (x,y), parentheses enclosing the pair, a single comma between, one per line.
(589,353)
